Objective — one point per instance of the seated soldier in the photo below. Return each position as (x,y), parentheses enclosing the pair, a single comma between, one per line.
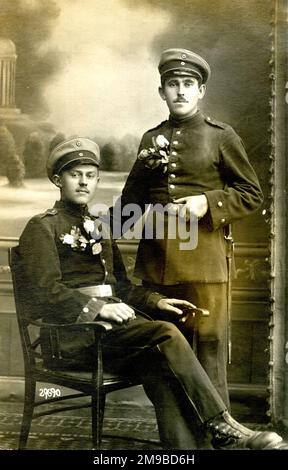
(79,277)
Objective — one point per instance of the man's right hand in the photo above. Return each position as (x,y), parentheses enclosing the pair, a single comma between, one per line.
(118,313)
(196,206)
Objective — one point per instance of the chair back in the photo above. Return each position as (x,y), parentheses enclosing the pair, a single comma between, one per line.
(91,383)
(25,310)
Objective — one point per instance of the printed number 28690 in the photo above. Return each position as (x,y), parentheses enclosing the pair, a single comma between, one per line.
(49,392)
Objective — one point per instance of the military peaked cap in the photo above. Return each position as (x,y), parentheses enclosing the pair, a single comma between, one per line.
(78,150)
(184,62)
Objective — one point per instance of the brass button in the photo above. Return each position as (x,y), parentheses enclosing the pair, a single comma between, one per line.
(220,204)
(178,132)
(172,175)
(172,186)
(174,153)
(173,165)
(175,142)
(223,221)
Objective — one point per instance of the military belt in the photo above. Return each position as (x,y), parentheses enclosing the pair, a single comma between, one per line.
(102,290)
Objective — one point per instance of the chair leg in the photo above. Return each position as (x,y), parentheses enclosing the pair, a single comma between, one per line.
(29,400)
(98,406)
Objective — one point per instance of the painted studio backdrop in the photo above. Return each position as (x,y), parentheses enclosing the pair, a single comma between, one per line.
(90,68)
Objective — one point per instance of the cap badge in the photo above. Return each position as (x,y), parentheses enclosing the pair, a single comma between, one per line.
(78,143)
(183,56)
(80,154)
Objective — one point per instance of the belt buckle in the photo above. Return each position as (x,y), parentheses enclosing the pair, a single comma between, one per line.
(104,290)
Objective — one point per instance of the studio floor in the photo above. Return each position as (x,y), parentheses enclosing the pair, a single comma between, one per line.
(72,430)
(127,426)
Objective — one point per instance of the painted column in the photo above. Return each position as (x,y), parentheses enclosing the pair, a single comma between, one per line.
(7,73)
(7,80)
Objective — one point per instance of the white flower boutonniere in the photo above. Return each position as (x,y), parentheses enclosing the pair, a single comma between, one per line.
(158,155)
(68,239)
(88,225)
(75,239)
(79,242)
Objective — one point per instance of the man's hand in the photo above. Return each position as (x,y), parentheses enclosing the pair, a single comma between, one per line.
(169,305)
(192,205)
(118,312)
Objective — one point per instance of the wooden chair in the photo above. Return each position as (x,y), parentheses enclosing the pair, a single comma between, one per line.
(95,383)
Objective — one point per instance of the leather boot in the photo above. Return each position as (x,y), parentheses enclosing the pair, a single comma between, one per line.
(229,434)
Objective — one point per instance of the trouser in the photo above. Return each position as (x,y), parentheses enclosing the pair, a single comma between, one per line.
(211,335)
(156,351)
(175,382)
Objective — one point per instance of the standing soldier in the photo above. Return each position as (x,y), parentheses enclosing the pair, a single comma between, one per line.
(199,167)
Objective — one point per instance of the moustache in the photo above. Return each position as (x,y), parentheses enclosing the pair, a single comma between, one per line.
(179,100)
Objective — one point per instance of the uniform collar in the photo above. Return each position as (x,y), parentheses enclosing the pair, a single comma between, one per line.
(74,209)
(189,121)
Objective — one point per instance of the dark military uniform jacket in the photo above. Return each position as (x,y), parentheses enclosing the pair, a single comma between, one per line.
(206,157)
(55,271)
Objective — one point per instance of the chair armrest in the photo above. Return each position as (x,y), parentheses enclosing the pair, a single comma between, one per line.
(99,331)
(96,326)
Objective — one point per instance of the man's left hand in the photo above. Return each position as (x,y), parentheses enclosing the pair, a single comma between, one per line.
(174,305)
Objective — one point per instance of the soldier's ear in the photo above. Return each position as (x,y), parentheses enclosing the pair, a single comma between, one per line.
(57,181)
(161,93)
(202,91)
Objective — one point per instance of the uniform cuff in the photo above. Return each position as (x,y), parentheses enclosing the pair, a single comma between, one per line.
(217,209)
(91,310)
(153,300)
